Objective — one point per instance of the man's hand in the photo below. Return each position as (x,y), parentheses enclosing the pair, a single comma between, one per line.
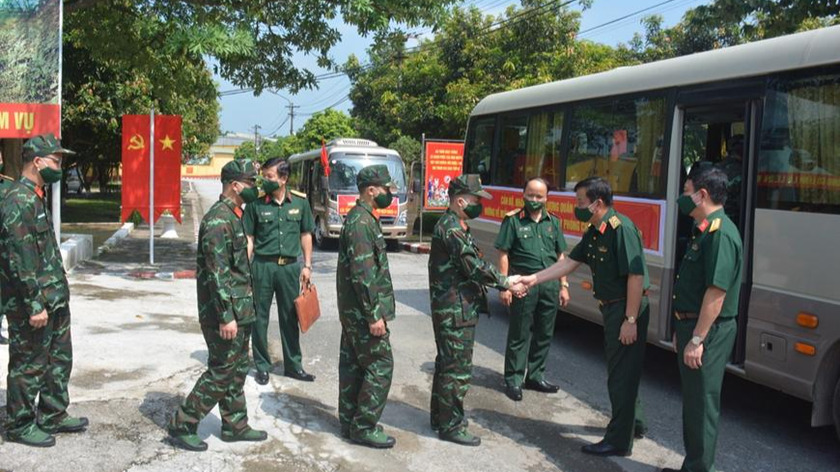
(564,297)
(40,320)
(529,280)
(228,330)
(305,277)
(628,333)
(378,329)
(693,356)
(506,297)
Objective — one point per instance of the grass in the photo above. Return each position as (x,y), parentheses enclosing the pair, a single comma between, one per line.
(97,208)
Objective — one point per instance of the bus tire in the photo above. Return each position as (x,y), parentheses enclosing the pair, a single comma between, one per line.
(836,407)
(320,237)
(392,245)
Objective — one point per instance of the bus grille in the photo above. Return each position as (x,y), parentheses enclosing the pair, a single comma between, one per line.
(387,220)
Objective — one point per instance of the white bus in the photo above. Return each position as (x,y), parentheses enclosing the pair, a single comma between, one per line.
(769,113)
(332,197)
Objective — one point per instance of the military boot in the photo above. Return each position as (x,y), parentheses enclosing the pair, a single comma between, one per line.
(68,425)
(461,437)
(35,437)
(190,442)
(374,438)
(250,434)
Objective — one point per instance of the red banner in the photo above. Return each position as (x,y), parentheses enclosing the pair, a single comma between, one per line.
(647,215)
(444,162)
(799,180)
(346,202)
(136,144)
(25,120)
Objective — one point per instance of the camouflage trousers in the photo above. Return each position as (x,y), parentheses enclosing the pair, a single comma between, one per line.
(365,370)
(40,362)
(453,373)
(222,383)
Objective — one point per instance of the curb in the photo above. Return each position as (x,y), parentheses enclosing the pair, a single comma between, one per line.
(151,274)
(115,238)
(416,248)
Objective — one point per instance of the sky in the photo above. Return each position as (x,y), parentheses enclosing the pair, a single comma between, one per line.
(240,113)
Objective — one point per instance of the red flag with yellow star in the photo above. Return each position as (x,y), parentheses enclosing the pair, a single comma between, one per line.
(136,146)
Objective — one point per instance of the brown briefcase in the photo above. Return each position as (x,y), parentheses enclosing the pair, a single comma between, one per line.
(308,308)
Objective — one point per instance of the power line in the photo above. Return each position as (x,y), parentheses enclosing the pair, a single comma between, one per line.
(629,15)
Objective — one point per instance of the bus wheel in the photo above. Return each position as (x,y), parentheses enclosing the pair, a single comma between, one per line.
(392,245)
(836,406)
(320,236)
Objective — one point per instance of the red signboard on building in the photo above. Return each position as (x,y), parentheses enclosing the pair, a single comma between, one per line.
(444,162)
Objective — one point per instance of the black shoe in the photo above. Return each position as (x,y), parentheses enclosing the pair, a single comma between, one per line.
(3,340)
(639,433)
(514,393)
(300,375)
(541,386)
(262,377)
(666,469)
(603,449)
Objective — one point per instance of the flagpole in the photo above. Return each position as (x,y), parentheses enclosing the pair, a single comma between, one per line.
(423,180)
(152,187)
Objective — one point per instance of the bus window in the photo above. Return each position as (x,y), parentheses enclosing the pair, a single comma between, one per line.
(510,165)
(295,180)
(480,147)
(621,141)
(799,157)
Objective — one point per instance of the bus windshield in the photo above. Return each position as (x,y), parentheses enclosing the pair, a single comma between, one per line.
(344,167)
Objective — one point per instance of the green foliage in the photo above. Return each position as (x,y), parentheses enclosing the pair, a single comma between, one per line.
(246,150)
(252,41)
(29,43)
(409,149)
(328,124)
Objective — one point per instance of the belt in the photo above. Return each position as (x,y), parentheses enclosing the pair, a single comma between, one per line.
(603,303)
(682,315)
(280,260)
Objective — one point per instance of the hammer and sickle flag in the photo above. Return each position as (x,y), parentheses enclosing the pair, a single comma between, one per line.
(136,147)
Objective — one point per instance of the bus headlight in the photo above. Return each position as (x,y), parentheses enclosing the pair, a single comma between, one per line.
(334,218)
(402,220)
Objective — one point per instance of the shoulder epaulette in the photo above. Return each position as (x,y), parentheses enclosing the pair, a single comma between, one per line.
(715,225)
(512,212)
(299,194)
(615,222)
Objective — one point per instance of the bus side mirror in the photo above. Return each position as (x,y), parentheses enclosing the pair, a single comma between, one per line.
(417,186)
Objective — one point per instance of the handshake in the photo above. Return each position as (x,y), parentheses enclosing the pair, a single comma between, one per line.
(519,284)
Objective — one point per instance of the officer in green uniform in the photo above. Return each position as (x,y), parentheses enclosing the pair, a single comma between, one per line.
(5,183)
(365,305)
(706,296)
(278,227)
(226,313)
(458,275)
(36,297)
(531,239)
(612,248)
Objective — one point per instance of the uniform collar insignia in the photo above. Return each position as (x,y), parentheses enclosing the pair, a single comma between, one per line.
(603,227)
(703,225)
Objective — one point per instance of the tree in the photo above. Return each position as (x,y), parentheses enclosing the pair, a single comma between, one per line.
(246,150)
(253,42)
(409,148)
(328,124)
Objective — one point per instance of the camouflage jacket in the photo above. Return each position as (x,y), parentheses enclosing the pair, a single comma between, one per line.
(225,290)
(32,276)
(363,279)
(458,272)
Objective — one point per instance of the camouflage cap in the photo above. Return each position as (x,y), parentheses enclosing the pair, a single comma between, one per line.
(43,145)
(240,170)
(468,184)
(375,175)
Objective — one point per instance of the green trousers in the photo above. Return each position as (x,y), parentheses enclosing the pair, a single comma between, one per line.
(365,371)
(40,362)
(701,391)
(453,373)
(624,374)
(530,331)
(272,280)
(222,383)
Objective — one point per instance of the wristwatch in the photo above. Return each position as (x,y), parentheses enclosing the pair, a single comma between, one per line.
(565,284)
(631,319)
(696,340)
(307,267)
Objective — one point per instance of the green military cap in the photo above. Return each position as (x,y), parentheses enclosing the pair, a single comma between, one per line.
(43,145)
(240,170)
(468,184)
(377,175)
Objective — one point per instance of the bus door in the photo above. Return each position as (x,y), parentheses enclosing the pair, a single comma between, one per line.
(722,134)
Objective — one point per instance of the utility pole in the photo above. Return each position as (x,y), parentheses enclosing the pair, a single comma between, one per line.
(291,106)
(256,141)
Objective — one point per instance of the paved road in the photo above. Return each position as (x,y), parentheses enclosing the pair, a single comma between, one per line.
(139,350)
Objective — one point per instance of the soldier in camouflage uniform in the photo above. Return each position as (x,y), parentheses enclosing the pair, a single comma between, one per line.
(365,305)
(226,312)
(458,275)
(36,296)
(5,183)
